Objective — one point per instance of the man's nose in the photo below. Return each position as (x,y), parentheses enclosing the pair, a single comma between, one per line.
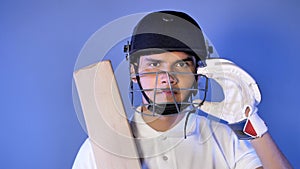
(166,78)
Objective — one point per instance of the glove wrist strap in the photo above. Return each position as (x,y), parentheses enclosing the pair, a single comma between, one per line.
(250,128)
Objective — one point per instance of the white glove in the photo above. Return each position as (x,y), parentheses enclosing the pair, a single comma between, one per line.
(240,92)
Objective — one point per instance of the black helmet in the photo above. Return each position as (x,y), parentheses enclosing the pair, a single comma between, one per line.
(163,31)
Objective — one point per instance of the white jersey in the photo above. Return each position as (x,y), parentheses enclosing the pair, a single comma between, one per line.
(208,145)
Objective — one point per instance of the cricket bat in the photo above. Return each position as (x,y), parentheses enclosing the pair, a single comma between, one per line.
(107,126)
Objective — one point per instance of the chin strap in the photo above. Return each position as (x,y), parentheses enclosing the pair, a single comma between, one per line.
(186,121)
(166,109)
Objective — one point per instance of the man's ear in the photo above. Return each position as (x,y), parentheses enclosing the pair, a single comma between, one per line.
(133,73)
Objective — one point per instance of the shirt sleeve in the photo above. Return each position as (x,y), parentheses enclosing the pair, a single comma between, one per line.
(238,154)
(245,155)
(85,158)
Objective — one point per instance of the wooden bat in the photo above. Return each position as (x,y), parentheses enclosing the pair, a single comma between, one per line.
(107,126)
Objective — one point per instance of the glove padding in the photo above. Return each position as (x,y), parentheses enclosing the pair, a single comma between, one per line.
(240,92)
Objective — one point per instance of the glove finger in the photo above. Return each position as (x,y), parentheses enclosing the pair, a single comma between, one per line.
(223,70)
(239,88)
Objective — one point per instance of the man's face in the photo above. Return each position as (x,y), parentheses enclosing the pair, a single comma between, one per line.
(163,75)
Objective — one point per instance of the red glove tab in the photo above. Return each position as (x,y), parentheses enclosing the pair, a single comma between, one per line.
(255,126)
(249,129)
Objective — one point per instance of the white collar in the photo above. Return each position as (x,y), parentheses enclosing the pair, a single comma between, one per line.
(143,130)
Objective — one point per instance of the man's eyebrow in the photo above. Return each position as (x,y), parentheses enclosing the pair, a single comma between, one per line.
(188,59)
(152,60)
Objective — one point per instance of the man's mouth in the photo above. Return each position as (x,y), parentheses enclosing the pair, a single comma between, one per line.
(167,92)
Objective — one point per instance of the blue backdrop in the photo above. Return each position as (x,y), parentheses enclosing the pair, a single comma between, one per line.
(40,42)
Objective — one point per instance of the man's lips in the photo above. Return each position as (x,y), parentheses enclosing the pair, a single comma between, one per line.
(167,92)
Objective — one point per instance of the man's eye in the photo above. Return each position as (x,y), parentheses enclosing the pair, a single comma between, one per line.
(155,64)
(182,64)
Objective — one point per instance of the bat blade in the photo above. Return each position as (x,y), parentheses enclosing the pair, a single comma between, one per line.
(107,126)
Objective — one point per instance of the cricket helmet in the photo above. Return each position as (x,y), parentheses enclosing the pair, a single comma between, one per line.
(166,31)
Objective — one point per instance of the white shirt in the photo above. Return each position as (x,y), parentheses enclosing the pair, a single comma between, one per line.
(208,145)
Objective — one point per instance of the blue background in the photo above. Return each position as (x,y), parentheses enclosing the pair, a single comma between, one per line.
(40,42)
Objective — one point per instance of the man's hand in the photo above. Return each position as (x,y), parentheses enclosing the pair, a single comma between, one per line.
(241,97)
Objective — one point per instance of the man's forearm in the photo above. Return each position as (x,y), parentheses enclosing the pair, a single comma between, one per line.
(269,154)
